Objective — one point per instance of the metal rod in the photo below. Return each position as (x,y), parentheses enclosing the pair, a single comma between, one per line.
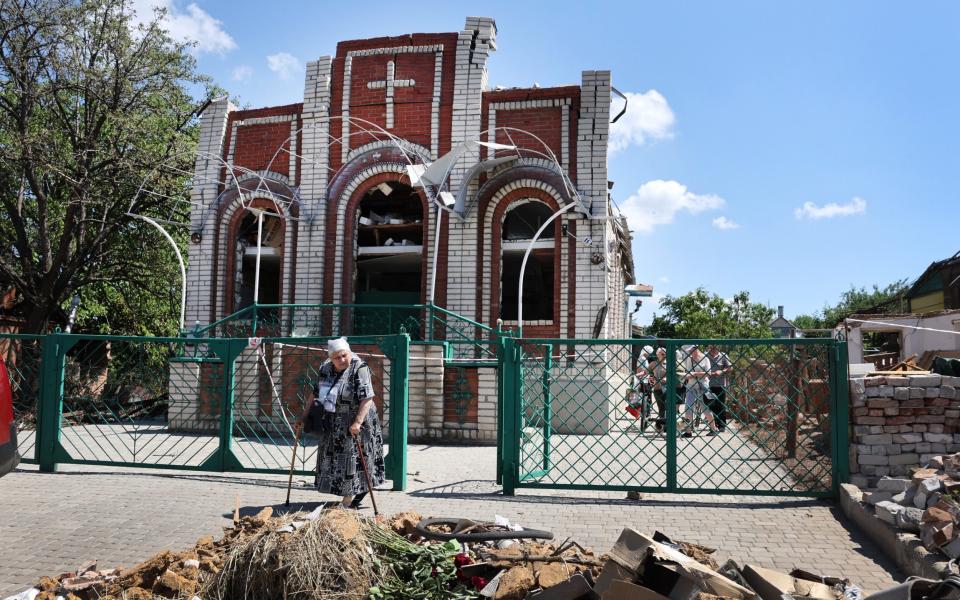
(256,275)
(183,267)
(526,255)
(293,460)
(436,250)
(363,463)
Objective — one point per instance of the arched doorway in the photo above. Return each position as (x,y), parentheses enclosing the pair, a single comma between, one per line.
(520,223)
(245,260)
(389,245)
(389,254)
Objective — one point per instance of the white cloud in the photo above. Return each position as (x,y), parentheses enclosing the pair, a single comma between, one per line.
(725,223)
(283,64)
(809,210)
(193,25)
(241,73)
(648,117)
(664,279)
(658,201)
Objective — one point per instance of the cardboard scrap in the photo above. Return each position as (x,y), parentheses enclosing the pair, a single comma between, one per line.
(773,585)
(637,553)
(622,590)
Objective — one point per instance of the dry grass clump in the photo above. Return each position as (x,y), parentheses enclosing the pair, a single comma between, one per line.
(327,558)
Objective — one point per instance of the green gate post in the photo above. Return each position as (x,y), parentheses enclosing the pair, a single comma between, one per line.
(841,419)
(396,460)
(223,459)
(501,391)
(511,414)
(547,403)
(51,403)
(671,395)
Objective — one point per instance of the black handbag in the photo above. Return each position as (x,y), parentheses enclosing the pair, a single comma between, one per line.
(319,420)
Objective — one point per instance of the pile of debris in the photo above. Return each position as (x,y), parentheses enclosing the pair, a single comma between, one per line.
(644,568)
(340,555)
(927,504)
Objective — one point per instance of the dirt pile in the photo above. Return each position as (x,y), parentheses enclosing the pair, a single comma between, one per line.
(340,555)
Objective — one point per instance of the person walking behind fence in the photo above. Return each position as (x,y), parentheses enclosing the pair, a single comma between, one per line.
(697,380)
(720,366)
(658,370)
(343,408)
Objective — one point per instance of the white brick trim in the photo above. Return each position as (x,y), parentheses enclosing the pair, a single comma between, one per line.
(405,145)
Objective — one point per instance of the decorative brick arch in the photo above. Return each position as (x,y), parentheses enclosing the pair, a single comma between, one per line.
(489,265)
(230,210)
(417,150)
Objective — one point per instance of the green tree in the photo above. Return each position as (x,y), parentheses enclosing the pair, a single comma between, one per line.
(876,300)
(96,120)
(701,314)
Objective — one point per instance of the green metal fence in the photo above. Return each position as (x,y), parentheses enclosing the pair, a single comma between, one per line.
(187,403)
(466,340)
(591,415)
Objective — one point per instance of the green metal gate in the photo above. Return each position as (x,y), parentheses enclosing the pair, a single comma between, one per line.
(779,412)
(187,403)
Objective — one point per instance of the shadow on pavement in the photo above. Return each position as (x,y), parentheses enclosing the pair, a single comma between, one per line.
(488,490)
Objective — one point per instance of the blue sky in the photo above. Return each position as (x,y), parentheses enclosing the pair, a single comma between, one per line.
(741,113)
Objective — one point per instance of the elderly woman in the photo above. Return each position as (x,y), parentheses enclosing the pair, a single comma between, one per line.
(345,393)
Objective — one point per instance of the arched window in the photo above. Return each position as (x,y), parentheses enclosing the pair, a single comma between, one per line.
(519,226)
(389,240)
(245,260)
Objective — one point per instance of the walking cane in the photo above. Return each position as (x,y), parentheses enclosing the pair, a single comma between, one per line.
(293,460)
(363,463)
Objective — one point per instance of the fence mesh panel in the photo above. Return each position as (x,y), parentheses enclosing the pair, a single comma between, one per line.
(770,408)
(139,401)
(575,430)
(750,416)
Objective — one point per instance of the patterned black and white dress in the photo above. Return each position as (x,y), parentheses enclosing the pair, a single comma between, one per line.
(339,470)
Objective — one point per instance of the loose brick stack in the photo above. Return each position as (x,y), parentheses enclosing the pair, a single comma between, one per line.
(902,422)
(928,503)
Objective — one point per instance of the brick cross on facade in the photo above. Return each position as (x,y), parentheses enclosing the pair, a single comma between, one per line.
(390,83)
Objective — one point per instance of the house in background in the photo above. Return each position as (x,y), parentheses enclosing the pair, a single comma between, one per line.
(783,328)
(938,288)
(929,329)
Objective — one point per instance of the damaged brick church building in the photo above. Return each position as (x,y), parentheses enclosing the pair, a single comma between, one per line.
(345,192)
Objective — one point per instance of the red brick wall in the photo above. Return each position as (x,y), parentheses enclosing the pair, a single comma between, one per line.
(456,410)
(545,123)
(412,106)
(256,145)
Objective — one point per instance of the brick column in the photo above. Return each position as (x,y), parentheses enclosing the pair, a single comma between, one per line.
(314,180)
(200,277)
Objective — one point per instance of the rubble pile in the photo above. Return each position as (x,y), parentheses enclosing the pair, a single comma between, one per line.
(928,503)
(341,555)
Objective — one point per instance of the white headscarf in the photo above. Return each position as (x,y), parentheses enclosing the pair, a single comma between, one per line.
(337,345)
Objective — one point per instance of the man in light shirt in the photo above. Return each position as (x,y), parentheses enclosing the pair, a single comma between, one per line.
(697,381)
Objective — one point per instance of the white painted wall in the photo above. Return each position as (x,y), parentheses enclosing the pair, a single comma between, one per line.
(914,341)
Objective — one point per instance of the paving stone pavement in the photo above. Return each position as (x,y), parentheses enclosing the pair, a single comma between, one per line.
(53,521)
